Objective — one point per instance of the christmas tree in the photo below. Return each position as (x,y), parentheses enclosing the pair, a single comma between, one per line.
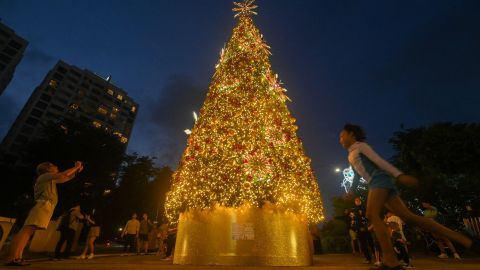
(243,149)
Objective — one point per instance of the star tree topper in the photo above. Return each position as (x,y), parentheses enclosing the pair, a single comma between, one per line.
(244,8)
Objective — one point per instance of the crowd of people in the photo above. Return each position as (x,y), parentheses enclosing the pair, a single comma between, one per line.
(140,233)
(136,234)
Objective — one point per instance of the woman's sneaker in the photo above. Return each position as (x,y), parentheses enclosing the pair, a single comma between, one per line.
(443,256)
(17,263)
(90,256)
(456,256)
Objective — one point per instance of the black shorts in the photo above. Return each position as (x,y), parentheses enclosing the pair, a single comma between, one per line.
(143,237)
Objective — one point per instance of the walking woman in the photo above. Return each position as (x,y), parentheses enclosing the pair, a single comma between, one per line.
(93,234)
(381,176)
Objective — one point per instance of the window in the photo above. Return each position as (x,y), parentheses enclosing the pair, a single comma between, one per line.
(5,34)
(75,73)
(41,105)
(32,121)
(37,113)
(46,98)
(52,115)
(110,92)
(27,130)
(93,98)
(62,70)
(58,76)
(134,109)
(66,93)
(74,106)
(97,124)
(102,110)
(64,101)
(9,51)
(75,81)
(21,139)
(124,139)
(15,44)
(119,97)
(5,58)
(115,109)
(57,108)
(53,84)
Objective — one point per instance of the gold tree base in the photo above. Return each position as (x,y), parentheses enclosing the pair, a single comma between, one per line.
(213,237)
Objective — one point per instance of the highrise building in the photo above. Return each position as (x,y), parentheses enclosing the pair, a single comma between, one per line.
(12,47)
(68,92)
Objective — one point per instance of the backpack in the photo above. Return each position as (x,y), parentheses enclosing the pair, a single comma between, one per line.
(64,221)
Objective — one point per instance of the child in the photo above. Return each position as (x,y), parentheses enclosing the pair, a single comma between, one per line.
(380,176)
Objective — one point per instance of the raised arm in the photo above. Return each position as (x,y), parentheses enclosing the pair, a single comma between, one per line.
(68,174)
(379,161)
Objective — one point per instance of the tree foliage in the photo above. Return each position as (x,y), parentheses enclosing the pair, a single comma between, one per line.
(446,159)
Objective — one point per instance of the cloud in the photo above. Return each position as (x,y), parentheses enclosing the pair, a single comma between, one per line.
(35,56)
(163,119)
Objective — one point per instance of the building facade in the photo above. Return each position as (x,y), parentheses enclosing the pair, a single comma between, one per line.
(12,48)
(68,92)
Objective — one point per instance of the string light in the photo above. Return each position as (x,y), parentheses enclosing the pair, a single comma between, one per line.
(243,149)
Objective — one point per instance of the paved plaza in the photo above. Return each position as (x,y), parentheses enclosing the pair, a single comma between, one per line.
(324,262)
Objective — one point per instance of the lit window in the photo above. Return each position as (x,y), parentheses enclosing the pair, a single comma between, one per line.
(115,110)
(74,106)
(119,97)
(96,124)
(110,92)
(117,133)
(102,110)
(113,116)
(53,83)
(124,139)
(134,109)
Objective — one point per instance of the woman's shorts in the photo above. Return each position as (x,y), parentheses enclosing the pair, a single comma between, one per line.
(353,234)
(40,215)
(94,232)
(385,182)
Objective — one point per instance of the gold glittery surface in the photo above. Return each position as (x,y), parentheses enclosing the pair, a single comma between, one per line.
(206,237)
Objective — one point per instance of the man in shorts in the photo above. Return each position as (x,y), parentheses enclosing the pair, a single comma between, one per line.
(46,198)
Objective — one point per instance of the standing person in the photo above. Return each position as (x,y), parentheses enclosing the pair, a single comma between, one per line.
(162,238)
(380,176)
(68,231)
(366,240)
(46,198)
(399,244)
(93,233)
(171,239)
(350,219)
(377,246)
(143,232)
(431,212)
(130,232)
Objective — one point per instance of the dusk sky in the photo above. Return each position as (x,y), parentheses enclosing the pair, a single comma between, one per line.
(380,64)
